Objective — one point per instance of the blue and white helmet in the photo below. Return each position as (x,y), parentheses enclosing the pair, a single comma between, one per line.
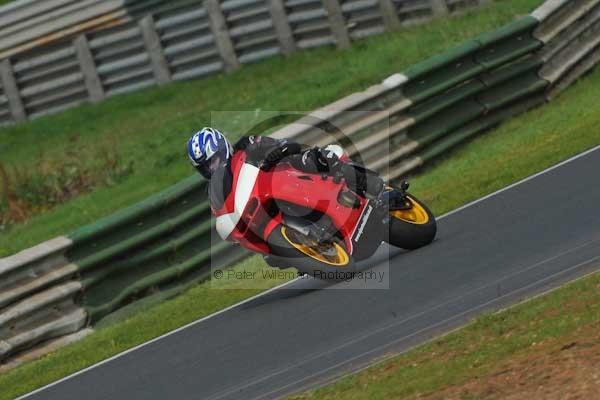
(208,149)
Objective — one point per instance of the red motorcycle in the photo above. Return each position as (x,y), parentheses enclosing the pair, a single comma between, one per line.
(318,223)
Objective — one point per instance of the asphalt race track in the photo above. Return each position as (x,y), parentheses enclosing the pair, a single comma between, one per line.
(511,245)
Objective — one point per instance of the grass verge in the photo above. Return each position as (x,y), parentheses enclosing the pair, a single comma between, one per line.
(147,130)
(516,149)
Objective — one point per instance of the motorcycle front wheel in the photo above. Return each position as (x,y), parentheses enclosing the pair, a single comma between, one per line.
(326,260)
(413,227)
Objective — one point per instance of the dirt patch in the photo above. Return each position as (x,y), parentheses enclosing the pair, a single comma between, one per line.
(565,368)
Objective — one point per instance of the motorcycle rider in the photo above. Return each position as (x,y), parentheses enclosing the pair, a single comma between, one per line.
(210,153)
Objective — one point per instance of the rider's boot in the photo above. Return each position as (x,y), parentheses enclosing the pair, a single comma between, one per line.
(364,182)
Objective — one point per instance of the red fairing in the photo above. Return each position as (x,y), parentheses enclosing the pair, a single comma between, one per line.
(284,183)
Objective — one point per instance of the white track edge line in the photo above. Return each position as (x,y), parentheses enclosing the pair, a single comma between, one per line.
(386,358)
(401,322)
(164,335)
(553,167)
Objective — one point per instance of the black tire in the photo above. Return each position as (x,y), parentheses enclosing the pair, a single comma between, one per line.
(285,255)
(412,235)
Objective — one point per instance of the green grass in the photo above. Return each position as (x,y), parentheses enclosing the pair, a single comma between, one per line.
(516,149)
(151,126)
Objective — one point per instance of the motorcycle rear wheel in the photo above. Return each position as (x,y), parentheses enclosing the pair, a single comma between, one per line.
(290,248)
(414,227)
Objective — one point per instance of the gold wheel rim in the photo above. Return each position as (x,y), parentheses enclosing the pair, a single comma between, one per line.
(329,253)
(416,214)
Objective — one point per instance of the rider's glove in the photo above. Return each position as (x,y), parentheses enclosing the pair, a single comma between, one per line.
(328,161)
(276,155)
(246,141)
(278,152)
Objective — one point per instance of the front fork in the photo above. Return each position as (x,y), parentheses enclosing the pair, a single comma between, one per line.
(398,197)
(393,199)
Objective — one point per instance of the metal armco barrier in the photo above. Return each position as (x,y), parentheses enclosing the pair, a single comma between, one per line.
(27,24)
(161,245)
(54,54)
